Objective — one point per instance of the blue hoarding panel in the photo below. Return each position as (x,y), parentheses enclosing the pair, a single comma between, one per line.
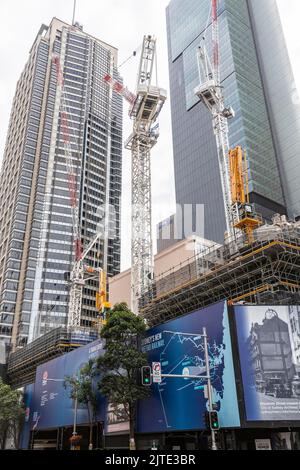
(52,405)
(25,434)
(269,350)
(179,404)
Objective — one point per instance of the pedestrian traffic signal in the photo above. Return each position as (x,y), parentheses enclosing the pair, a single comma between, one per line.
(146,376)
(214,421)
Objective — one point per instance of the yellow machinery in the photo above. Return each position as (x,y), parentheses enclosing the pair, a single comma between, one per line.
(102,304)
(243,213)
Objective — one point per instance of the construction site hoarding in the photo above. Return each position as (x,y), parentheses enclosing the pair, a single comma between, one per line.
(269,352)
(178,404)
(28,399)
(52,406)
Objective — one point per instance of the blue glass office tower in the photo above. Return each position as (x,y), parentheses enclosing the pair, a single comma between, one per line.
(249,65)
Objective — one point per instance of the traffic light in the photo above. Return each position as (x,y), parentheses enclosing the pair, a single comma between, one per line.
(206,420)
(214,420)
(146,376)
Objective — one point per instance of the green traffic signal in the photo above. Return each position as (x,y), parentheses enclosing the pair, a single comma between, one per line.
(146,375)
(214,420)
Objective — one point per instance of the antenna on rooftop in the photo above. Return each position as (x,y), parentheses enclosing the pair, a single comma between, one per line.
(74,11)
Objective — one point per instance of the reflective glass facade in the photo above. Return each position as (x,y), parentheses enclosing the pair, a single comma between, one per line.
(197,177)
(37,250)
(281,95)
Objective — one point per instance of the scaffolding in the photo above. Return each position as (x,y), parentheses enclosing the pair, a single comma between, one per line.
(266,272)
(22,364)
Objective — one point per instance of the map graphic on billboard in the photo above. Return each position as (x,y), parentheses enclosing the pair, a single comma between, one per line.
(180,403)
(269,350)
(52,406)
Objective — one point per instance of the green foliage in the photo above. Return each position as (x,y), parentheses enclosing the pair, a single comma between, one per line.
(120,366)
(81,385)
(123,325)
(12,413)
(81,388)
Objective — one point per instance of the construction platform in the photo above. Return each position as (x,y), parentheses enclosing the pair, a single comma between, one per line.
(22,364)
(266,272)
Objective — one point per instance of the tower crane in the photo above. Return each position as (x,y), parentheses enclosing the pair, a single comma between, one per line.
(146,105)
(80,271)
(239,212)
(210,93)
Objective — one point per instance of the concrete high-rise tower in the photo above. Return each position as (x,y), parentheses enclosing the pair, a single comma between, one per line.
(35,264)
(258,83)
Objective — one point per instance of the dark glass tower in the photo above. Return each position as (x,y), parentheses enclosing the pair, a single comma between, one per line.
(248,74)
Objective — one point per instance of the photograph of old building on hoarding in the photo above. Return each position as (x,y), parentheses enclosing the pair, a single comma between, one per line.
(269,344)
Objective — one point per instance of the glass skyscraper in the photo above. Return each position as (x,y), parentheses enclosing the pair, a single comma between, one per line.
(251,66)
(36,245)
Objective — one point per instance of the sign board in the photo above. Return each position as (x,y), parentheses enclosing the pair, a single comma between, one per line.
(156,372)
(178,346)
(271,383)
(263,444)
(52,406)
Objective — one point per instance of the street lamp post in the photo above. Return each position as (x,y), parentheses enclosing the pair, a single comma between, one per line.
(75,416)
(207,377)
(74,433)
(209,394)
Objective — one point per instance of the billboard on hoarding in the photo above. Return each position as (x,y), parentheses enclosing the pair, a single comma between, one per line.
(52,406)
(28,398)
(269,350)
(179,403)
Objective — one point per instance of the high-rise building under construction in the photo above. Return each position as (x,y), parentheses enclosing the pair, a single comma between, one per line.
(258,83)
(35,263)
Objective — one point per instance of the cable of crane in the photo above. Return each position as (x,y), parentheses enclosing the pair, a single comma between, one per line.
(130,57)
(207,22)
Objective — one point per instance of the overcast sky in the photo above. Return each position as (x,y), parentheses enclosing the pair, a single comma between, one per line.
(121,23)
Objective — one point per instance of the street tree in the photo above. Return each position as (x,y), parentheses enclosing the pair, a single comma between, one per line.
(82,389)
(12,414)
(121,363)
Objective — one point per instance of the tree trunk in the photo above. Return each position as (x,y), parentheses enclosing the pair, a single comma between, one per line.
(91,428)
(17,435)
(3,436)
(16,429)
(132,445)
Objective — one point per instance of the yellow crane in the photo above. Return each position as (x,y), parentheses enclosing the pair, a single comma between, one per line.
(244,217)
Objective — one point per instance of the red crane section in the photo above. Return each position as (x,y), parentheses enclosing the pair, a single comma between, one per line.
(72,179)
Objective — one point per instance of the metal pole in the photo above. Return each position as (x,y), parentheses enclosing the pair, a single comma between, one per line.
(61,439)
(209,394)
(75,416)
(74,10)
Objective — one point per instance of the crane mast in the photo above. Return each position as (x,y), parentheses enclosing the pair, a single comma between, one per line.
(79,269)
(145,107)
(77,280)
(144,112)
(210,93)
